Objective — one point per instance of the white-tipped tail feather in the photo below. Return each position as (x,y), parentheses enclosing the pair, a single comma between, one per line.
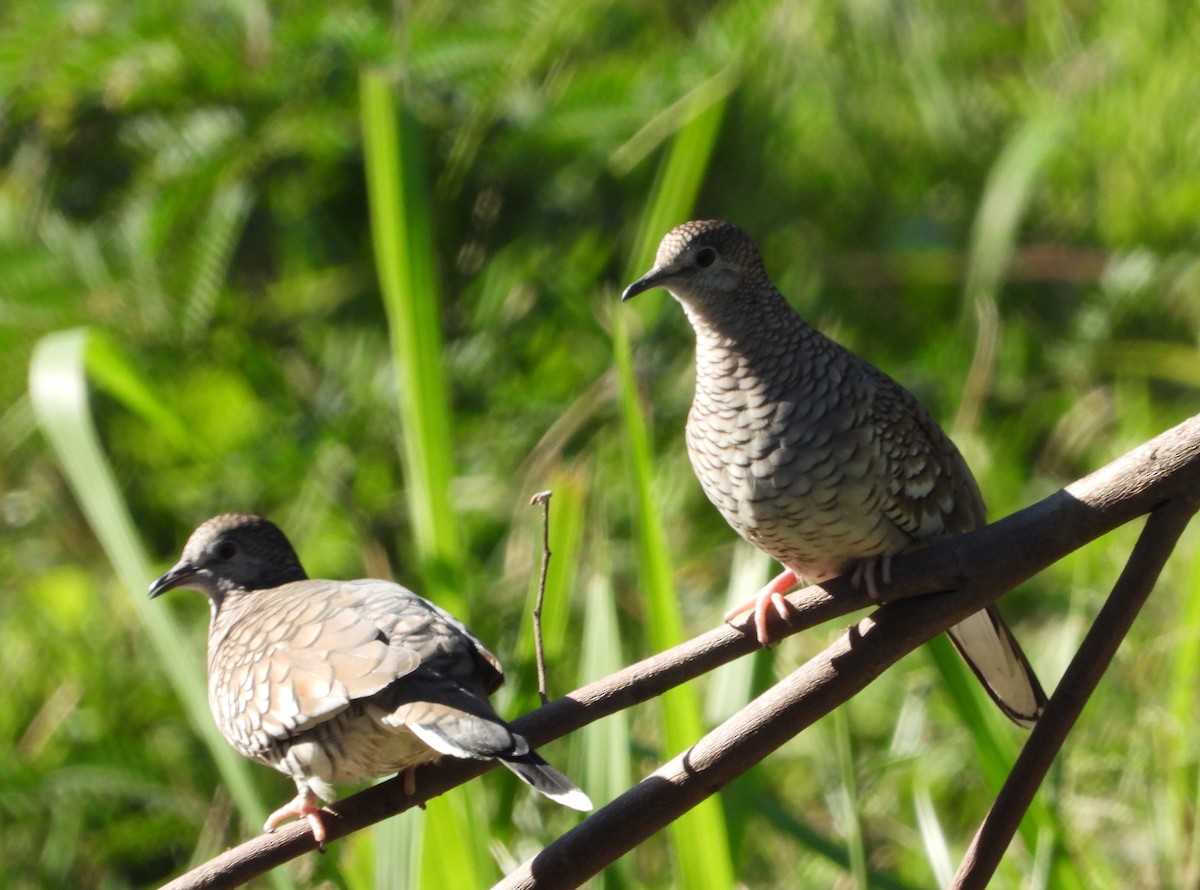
(988,647)
(529,766)
(545,779)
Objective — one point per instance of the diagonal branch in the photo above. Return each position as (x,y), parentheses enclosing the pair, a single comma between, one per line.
(831,678)
(1155,544)
(980,566)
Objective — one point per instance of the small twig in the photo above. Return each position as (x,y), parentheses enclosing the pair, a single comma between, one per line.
(543,498)
(1154,545)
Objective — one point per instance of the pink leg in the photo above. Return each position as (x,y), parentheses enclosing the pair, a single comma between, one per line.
(410,783)
(303,804)
(865,571)
(762,602)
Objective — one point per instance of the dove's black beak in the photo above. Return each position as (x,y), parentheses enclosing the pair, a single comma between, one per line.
(177,576)
(652,279)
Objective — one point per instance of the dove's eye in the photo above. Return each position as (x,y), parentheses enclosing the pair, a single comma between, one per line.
(226,550)
(705,257)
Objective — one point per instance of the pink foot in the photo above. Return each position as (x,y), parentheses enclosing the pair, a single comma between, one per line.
(410,783)
(865,571)
(762,602)
(303,804)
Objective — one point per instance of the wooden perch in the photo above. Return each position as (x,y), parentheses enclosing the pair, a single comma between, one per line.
(1158,539)
(967,572)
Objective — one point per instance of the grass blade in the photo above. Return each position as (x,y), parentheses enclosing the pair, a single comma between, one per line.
(937,851)
(401,227)
(856,847)
(993,239)
(58,391)
(110,369)
(700,837)
(607,770)
(731,686)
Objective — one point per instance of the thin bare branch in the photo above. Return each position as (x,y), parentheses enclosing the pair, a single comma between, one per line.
(539,648)
(981,565)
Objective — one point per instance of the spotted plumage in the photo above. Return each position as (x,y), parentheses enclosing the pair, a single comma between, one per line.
(813,454)
(334,682)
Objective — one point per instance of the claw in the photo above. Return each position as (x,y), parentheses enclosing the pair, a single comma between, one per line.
(303,805)
(782,607)
(865,570)
(770,597)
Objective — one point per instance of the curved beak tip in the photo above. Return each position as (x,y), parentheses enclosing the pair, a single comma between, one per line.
(645,283)
(174,577)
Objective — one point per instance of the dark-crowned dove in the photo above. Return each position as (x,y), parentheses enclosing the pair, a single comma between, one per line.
(336,682)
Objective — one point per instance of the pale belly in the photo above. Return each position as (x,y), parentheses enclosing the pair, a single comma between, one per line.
(353,747)
(814,499)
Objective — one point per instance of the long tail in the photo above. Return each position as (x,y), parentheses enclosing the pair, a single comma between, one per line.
(459,733)
(989,648)
(542,777)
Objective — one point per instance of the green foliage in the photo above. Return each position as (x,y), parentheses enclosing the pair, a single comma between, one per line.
(702,855)
(355,266)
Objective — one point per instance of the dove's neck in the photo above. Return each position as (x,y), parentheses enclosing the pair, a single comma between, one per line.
(750,337)
(228,606)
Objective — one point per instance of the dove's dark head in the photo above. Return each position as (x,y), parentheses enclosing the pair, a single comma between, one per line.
(233,551)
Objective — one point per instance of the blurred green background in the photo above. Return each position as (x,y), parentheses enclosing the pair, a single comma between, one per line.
(355,266)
